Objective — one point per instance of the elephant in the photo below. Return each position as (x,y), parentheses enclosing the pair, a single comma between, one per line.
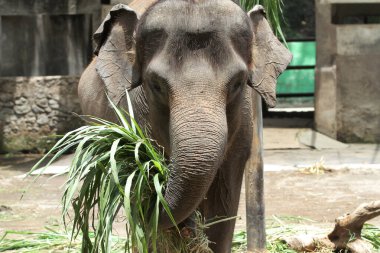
(193,69)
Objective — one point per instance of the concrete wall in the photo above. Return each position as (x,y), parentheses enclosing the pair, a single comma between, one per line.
(45,38)
(358,79)
(32,109)
(347,104)
(325,71)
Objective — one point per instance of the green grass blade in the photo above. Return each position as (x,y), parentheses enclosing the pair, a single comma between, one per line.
(130,110)
(123,120)
(114,168)
(163,202)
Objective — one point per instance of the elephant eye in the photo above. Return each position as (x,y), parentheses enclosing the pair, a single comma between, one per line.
(158,87)
(237,85)
(237,81)
(155,87)
(156,82)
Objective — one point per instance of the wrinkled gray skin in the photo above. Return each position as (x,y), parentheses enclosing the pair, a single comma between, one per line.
(190,67)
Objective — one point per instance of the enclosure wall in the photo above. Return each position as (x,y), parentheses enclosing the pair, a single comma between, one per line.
(33,110)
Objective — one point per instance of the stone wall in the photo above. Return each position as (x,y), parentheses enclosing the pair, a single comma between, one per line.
(34,109)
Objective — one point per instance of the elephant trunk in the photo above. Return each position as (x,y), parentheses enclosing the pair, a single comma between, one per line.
(198,139)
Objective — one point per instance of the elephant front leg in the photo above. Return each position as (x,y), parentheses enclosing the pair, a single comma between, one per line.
(220,236)
(222,202)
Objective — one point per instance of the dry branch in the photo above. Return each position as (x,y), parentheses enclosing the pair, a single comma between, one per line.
(346,234)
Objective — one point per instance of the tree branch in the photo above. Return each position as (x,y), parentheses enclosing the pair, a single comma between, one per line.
(346,233)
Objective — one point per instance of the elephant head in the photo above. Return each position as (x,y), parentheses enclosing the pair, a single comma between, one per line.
(195,60)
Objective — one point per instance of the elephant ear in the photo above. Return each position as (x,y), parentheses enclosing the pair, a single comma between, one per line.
(269,57)
(115,48)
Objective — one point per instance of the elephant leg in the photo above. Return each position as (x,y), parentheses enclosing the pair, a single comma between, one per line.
(214,208)
(222,201)
(254,186)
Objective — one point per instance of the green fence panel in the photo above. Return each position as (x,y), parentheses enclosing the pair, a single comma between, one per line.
(296,81)
(303,53)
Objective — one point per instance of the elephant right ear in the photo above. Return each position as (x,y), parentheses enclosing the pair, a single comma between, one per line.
(269,57)
(115,48)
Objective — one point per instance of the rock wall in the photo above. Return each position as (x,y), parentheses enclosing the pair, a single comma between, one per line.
(33,110)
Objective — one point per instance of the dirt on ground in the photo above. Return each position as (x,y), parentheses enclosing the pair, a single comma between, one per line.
(28,205)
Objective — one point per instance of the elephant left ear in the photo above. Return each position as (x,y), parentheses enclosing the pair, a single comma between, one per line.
(115,50)
(269,56)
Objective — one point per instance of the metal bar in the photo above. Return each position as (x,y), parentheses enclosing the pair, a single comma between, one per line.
(286,95)
(301,67)
(365,19)
(254,183)
(1,48)
(306,39)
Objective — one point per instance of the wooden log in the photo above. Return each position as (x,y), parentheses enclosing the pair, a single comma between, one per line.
(346,234)
(254,184)
(347,231)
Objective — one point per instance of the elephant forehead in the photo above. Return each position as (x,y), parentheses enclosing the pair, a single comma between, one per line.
(195,16)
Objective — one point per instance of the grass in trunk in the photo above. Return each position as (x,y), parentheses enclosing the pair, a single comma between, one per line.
(117,167)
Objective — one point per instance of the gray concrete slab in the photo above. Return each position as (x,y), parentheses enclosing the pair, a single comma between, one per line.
(283,151)
(319,141)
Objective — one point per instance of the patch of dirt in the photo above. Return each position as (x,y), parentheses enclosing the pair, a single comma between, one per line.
(321,198)
(28,205)
(31,205)
(4,208)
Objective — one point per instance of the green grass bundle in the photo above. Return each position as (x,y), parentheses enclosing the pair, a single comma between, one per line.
(115,167)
